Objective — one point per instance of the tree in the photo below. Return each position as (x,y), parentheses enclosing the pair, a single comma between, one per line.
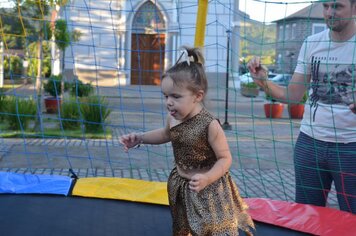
(11,28)
(35,21)
(258,39)
(36,24)
(63,37)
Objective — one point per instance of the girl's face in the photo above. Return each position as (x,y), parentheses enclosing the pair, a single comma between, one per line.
(182,103)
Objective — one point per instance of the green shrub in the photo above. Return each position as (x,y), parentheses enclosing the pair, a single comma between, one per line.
(270,98)
(70,114)
(18,112)
(304,98)
(67,86)
(95,111)
(80,89)
(2,103)
(249,85)
(13,67)
(53,86)
(33,61)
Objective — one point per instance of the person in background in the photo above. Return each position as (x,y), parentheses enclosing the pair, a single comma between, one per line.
(325,150)
(203,198)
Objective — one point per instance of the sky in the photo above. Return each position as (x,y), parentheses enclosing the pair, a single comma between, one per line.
(260,10)
(271,10)
(4,3)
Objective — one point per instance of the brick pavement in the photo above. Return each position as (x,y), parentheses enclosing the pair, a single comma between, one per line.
(272,183)
(262,179)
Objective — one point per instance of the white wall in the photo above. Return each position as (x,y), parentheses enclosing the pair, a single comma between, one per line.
(101,21)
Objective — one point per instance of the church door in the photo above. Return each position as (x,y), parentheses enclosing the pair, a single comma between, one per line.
(147,58)
(147,45)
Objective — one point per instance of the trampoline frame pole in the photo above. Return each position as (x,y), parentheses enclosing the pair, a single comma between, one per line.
(200,23)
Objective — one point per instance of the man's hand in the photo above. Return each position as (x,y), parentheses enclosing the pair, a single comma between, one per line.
(353,107)
(259,73)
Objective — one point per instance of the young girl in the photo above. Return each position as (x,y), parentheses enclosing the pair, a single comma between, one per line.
(203,198)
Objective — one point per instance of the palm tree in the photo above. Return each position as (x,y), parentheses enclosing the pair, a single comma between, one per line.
(35,19)
(63,37)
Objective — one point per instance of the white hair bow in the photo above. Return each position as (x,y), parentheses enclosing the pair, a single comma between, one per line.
(184,57)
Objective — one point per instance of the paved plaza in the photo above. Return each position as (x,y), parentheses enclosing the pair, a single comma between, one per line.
(262,148)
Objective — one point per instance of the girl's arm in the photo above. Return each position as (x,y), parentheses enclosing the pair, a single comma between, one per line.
(157,136)
(218,142)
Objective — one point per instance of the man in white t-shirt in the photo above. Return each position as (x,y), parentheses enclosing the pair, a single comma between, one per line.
(326,147)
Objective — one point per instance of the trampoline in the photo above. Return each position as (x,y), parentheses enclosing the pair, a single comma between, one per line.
(47,205)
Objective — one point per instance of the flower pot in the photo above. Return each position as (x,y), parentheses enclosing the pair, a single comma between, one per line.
(296,111)
(273,110)
(51,104)
(249,92)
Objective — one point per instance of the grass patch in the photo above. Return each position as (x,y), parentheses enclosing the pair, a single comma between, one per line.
(55,133)
(78,133)
(6,87)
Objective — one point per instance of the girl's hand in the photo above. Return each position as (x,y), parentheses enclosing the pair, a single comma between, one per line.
(198,182)
(130,140)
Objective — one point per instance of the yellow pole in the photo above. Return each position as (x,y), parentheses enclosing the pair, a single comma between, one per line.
(200,23)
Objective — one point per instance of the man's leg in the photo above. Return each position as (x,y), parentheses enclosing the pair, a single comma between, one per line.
(342,160)
(313,180)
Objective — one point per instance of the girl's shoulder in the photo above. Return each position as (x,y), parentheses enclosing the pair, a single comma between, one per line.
(172,122)
(206,114)
(215,126)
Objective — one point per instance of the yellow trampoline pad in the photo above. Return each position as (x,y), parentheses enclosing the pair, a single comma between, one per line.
(122,189)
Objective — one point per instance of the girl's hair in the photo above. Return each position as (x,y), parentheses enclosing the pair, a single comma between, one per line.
(189,70)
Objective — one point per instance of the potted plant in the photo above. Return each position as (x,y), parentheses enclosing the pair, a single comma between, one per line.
(53,88)
(249,89)
(79,89)
(296,110)
(273,109)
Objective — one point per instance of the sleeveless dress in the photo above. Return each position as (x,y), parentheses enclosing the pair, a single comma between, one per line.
(216,210)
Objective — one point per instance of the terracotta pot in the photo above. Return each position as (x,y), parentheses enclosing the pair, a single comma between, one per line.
(51,104)
(273,110)
(296,111)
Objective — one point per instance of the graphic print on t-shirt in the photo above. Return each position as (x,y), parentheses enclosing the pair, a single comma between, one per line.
(332,83)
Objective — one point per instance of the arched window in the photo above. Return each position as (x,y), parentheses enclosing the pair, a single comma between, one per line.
(148,18)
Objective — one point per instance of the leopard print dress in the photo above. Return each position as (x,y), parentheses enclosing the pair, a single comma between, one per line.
(216,210)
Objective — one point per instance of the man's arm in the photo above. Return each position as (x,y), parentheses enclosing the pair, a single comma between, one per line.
(291,94)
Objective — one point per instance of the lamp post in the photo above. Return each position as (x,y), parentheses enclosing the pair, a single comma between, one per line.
(226,125)
(291,57)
